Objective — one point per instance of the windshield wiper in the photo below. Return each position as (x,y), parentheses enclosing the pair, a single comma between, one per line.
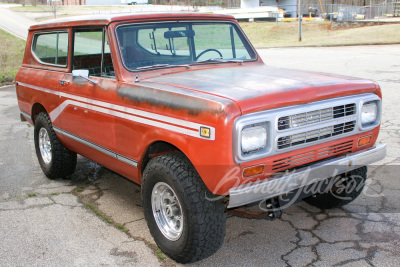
(162,65)
(220,59)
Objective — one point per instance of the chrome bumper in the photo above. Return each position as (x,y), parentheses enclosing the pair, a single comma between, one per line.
(285,183)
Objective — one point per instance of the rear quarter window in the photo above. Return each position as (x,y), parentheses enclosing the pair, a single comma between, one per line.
(51,48)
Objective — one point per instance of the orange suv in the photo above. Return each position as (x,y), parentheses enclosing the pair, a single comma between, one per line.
(183,105)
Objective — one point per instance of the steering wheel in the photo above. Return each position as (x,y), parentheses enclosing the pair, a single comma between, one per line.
(208,50)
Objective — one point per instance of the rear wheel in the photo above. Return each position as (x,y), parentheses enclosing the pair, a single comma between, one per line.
(346,188)
(55,160)
(184,223)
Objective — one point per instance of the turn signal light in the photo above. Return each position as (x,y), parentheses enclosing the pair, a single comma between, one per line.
(254,170)
(205,132)
(364,140)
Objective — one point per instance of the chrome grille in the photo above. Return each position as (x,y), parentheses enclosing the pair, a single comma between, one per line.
(315,116)
(315,135)
(334,150)
(310,156)
(301,126)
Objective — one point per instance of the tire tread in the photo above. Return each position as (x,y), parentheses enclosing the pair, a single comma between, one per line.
(207,220)
(63,161)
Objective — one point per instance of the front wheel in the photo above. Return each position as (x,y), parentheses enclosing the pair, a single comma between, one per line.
(346,188)
(186,225)
(55,160)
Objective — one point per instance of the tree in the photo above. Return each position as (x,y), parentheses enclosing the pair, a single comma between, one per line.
(54,8)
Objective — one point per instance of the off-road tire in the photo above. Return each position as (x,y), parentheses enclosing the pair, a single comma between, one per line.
(63,160)
(203,220)
(335,198)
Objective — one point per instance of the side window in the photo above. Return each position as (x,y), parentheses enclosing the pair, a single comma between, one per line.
(51,48)
(89,54)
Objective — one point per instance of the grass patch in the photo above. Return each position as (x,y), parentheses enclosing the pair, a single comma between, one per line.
(121,227)
(11,54)
(160,255)
(31,8)
(316,33)
(31,195)
(106,219)
(55,193)
(59,16)
(65,9)
(99,213)
(79,189)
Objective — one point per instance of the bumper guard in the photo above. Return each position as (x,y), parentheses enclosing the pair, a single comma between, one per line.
(285,183)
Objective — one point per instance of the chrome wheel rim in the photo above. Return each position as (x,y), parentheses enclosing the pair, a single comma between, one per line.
(167,211)
(45,145)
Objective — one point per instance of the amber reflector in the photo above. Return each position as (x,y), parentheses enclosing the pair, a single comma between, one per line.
(205,132)
(254,170)
(364,140)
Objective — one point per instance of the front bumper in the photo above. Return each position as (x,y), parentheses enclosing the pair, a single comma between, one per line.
(286,183)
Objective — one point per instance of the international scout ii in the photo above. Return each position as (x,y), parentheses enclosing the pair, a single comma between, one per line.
(183,105)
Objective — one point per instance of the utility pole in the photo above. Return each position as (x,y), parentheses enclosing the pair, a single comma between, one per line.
(300,18)
(370,9)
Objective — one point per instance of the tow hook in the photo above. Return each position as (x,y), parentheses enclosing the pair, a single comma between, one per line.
(273,209)
(270,211)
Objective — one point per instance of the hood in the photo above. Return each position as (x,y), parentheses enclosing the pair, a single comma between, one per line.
(259,87)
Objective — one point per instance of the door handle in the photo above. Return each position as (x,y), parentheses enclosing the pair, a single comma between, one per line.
(63,82)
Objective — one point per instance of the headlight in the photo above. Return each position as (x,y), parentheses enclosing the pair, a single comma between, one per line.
(369,112)
(254,138)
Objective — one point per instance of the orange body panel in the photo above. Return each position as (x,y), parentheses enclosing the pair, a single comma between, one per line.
(127,117)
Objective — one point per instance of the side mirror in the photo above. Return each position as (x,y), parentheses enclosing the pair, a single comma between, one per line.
(83,74)
(80,73)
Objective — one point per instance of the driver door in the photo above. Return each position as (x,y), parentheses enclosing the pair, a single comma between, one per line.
(85,114)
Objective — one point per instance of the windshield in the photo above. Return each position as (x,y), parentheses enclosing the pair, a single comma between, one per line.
(171,44)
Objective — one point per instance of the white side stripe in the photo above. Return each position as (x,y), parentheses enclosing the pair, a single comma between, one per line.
(132,111)
(152,119)
(124,116)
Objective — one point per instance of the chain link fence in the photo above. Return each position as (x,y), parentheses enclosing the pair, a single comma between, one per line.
(340,12)
(336,12)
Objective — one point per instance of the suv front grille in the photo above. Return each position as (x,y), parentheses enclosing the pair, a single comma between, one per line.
(315,135)
(315,116)
(301,126)
(310,156)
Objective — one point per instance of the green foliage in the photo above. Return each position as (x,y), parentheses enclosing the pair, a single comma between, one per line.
(269,34)
(11,55)
(160,255)
(105,218)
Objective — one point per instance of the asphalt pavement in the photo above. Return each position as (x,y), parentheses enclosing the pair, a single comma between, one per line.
(14,23)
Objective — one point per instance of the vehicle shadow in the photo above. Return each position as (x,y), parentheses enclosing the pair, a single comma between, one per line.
(304,235)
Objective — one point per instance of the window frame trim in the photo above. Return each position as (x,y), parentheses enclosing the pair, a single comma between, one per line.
(242,36)
(104,31)
(34,42)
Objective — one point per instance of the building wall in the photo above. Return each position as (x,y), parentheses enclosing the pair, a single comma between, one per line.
(288,5)
(249,3)
(66,2)
(102,2)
